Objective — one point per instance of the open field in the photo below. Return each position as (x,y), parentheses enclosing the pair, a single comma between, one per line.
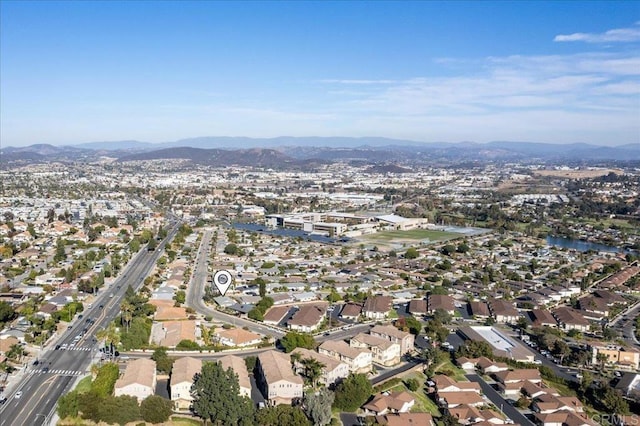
(411,236)
(578,174)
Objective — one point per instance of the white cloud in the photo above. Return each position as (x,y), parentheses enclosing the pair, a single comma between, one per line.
(617,35)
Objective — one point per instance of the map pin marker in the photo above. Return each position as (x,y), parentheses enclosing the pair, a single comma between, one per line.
(222,280)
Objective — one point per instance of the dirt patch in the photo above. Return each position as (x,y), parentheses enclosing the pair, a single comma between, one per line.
(578,174)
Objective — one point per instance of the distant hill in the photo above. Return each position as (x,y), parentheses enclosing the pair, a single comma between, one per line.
(216,157)
(297,151)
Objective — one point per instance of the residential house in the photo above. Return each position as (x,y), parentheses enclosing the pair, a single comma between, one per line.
(182,376)
(548,403)
(479,310)
(543,318)
(504,311)
(466,414)
(417,308)
(467,364)
(276,379)
(455,399)
(394,402)
(170,333)
(377,307)
(384,352)
(594,308)
(563,418)
(307,319)
(238,337)
(445,384)
(441,302)
(358,360)
(239,367)
(275,315)
(351,311)
(488,366)
(570,319)
(629,385)
(510,382)
(333,370)
(404,339)
(406,419)
(139,379)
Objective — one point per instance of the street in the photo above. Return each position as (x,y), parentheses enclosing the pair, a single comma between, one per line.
(43,385)
(499,401)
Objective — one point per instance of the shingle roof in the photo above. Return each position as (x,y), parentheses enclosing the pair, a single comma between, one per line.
(184,369)
(239,367)
(276,366)
(140,371)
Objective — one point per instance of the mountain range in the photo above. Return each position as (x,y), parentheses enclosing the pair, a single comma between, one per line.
(299,152)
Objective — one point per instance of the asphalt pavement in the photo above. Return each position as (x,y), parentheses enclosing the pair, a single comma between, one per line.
(42,385)
(196,288)
(499,401)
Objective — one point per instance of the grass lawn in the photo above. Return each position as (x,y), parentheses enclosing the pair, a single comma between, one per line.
(412,235)
(183,421)
(423,404)
(561,387)
(448,367)
(84,385)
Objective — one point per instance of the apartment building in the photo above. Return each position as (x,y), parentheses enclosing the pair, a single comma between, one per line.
(389,332)
(139,379)
(182,376)
(276,378)
(358,360)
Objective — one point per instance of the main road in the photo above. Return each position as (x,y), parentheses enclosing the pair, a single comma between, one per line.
(56,371)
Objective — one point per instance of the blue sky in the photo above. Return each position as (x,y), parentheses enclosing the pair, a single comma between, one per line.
(557,72)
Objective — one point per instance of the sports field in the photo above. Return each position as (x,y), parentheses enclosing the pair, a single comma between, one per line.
(412,235)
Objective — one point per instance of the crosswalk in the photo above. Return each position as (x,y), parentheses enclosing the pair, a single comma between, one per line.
(57,372)
(76,348)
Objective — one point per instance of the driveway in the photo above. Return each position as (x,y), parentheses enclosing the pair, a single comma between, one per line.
(349,419)
(499,401)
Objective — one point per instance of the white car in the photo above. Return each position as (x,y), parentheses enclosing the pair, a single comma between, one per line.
(18,395)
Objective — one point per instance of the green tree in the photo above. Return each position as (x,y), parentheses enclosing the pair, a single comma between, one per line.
(216,394)
(156,409)
(105,380)
(7,313)
(475,349)
(411,253)
(352,392)
(164,362)
(293,340)
(16,352)
(121,409)
(231,249)
(68,405)
(412,384)
(89,404)
(318,406)
(281,415)
(312,369)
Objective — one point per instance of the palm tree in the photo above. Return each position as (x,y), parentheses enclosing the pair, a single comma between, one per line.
(110,335)
(16,352)
(312,370)
(602,359)
(127,313)
(295,358)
